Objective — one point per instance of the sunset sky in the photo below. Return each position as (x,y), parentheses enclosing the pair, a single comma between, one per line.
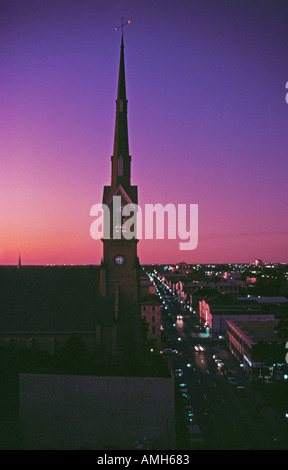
(207,119)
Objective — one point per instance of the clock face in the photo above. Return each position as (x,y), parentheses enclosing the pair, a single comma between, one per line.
(119,260)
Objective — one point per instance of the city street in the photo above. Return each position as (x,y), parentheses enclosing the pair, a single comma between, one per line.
(227,420)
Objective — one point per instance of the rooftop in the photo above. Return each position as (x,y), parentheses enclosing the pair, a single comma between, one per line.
(147,298)
(256,331)
(230,302)
(48,298)
(265,300)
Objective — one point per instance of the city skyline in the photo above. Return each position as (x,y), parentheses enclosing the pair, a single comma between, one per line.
(206,120)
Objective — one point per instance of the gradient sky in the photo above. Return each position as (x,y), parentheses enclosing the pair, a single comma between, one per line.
(207,122)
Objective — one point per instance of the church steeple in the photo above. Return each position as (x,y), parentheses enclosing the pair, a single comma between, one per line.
(121,160)
(119,289)
(19,262)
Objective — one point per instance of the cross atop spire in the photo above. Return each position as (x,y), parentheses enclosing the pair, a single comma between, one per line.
(122,25)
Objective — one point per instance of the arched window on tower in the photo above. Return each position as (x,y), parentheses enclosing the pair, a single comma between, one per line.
(120,165)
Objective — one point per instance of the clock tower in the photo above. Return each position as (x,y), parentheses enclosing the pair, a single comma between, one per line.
(120,320)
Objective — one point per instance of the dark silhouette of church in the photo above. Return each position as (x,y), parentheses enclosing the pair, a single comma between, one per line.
(72,366)
(41,308)
(120,326)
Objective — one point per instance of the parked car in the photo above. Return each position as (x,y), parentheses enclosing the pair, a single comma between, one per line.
(185,397)
(233,381)
(241,391)
(183,388)
(188,410)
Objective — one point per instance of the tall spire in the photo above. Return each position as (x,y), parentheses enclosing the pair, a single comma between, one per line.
(121,81)
(121,159)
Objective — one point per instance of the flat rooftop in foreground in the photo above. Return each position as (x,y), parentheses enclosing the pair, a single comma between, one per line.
(261,330)
(156,367)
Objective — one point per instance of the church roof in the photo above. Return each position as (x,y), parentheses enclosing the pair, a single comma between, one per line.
(48,299)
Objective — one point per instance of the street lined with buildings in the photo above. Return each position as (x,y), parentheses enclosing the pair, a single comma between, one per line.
(223,401)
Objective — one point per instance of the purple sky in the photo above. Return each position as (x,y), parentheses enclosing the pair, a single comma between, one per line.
(207,121)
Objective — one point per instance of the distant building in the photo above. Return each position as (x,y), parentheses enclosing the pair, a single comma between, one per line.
(145,281)
(258,346)
(204,289)
(277,305)
(151,313)
(182,268)
(216,310)
(277,300)
(185,289)
(232,275)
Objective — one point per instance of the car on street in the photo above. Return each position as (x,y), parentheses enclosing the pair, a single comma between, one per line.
(179,373)
(185,397)
(183,387)
(220,364)
(188,410)
(169,351)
